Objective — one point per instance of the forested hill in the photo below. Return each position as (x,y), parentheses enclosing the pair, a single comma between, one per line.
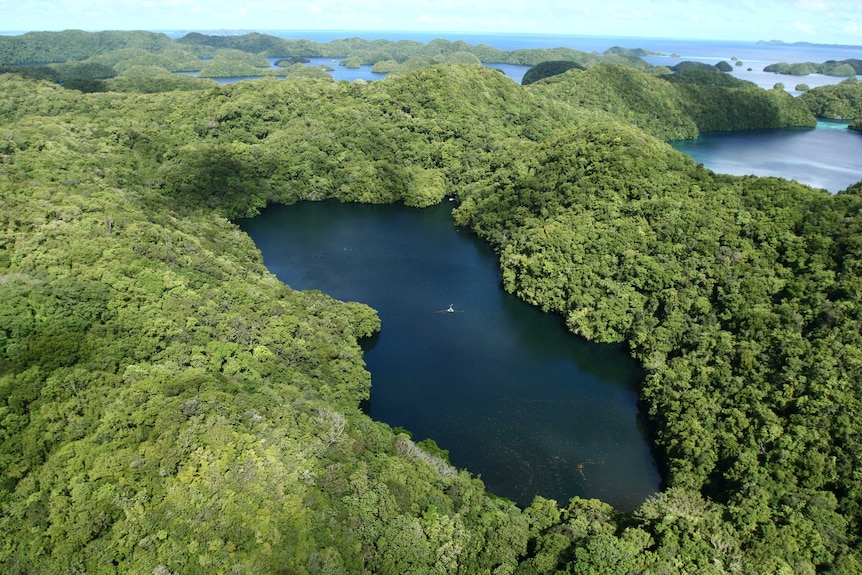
(676,106)
(169,407)
(77,45)
(71,45)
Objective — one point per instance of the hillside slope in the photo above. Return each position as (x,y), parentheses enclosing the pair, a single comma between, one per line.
(168,406)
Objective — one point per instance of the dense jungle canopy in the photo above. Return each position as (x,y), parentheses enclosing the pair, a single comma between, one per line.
(168,406)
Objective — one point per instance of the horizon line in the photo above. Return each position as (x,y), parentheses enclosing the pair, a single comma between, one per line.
(354,32)
(357,33)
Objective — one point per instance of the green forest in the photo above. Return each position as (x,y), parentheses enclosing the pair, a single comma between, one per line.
(169,407)
(849,67)
(78,55)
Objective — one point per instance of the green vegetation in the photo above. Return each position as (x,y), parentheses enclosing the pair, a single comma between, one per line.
(71,45)
(708,77)
(838,101)
(676,106)
(229,62)
(168,406)
(798,69)
(371,52)
(353,62)
(136,80)
(548,69)
(128,62)
(637,52)
(849,67)
(62,73)
(173,60)
(245,55)
(254,43)
(688,66)
(677,263)
(297,71)
(292,60)
(415,63)
(385,66)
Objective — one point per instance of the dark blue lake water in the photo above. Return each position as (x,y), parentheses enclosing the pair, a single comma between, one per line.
(505,388)
(824,157)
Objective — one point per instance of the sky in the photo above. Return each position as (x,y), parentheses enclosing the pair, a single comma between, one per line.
(818,21)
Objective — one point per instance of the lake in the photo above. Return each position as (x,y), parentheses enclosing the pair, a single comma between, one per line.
(824,157)
(515,398)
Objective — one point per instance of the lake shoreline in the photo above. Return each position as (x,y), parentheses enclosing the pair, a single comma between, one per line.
(553,396)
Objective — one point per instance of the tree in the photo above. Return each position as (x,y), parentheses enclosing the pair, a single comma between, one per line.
(547,69)
(351,62)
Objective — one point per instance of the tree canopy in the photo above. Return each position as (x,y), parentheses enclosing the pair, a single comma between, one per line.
(848,67)
(546,69)
(168,406)
(839,101)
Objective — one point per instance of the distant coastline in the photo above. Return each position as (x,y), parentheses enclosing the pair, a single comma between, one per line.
(807,44)
(387,34)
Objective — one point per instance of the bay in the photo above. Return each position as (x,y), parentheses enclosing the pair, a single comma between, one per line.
(824,157)
(514,397)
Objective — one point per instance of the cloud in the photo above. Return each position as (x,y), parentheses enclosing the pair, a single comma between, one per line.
(803,27)
(813,5)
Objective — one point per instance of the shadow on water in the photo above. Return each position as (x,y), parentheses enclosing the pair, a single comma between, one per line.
(514,397)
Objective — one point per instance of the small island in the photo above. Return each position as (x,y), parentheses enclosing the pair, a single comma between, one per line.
(844,68)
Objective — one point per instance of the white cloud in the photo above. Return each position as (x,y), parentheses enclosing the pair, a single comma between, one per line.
(813,5)
(803,27)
